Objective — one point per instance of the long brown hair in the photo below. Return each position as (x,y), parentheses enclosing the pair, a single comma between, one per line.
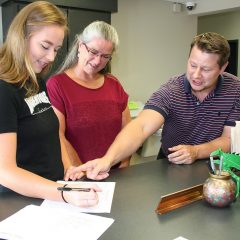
(15,66)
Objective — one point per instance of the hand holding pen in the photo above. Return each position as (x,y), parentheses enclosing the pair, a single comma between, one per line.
(80,195)
(78,189)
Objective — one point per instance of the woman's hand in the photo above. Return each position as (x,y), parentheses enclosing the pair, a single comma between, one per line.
(96,169)
(73,173)
(82,198)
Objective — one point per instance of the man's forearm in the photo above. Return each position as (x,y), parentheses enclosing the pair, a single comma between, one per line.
(204,150)
(126,143)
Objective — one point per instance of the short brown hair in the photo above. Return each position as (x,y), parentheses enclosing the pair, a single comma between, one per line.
(211,42)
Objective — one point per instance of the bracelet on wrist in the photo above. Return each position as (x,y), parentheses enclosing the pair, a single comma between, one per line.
(62,194)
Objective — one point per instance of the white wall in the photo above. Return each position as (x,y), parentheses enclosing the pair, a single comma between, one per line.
(226,24)
(154,44)
(206,7)
(154,41)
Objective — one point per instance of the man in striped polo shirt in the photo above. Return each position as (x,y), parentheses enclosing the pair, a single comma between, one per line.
(197,109)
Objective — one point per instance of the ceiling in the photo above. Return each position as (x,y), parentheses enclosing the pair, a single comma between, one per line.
(206,7)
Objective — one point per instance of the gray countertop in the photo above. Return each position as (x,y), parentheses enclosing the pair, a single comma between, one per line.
(137,193)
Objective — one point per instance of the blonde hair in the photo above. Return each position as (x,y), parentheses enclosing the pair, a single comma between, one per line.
(99,29)
(15,66)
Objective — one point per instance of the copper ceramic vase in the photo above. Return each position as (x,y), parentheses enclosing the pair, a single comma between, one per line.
(219,190)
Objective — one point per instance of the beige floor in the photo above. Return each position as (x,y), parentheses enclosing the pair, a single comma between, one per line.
(137,158)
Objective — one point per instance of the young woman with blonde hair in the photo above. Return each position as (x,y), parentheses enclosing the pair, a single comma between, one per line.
(32,157)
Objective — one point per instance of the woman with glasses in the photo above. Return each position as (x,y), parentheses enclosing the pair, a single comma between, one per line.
(90,103)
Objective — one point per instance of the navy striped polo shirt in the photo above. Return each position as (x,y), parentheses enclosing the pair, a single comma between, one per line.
(189,121)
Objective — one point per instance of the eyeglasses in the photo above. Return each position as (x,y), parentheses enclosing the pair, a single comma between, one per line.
(94,53)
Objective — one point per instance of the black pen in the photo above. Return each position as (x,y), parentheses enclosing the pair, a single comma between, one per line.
(209,167)
(74,189)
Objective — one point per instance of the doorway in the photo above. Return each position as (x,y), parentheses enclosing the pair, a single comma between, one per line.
(233,59)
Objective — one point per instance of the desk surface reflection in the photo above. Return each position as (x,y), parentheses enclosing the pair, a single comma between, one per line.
(137,193)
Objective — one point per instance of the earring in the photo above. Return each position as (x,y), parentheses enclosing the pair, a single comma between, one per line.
(78,54)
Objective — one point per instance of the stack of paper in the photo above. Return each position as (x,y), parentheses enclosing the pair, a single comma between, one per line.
(37,223)
(57,220)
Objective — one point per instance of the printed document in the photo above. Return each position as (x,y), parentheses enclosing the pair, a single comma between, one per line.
(38,223)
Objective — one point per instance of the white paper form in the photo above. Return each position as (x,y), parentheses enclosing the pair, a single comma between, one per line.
(105,199)
(38,223)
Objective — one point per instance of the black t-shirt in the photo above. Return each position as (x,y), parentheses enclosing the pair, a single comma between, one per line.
(37,128)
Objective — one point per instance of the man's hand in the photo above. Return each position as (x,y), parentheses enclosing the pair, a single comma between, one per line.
(96,169)
(183,154)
